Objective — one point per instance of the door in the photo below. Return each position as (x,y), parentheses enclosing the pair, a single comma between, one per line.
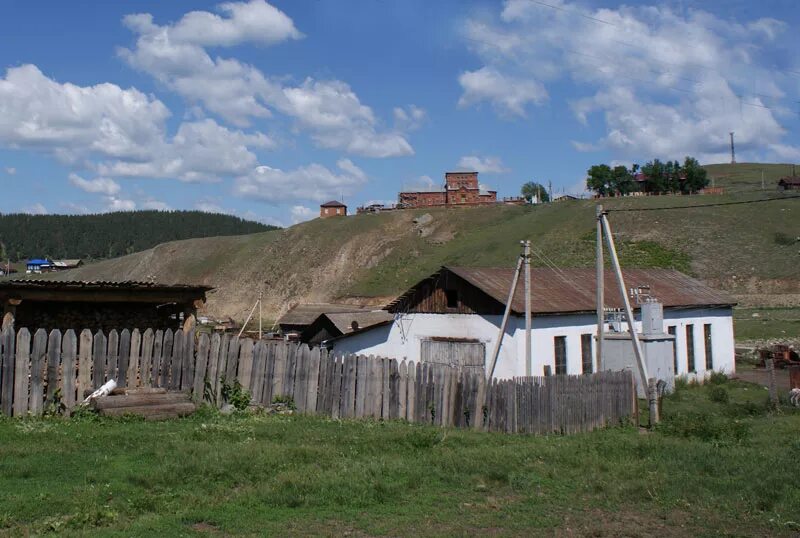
(470,354)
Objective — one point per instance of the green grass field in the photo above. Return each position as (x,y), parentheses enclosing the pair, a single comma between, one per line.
(766,323)
(710,469)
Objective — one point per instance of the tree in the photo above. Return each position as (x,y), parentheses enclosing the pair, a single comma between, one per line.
(531,190)
(695,176)
(622,182)
(599,180)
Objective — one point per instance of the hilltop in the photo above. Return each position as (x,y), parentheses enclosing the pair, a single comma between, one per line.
(749,249)
(109,235)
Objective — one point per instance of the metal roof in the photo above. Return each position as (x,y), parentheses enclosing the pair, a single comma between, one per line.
(96,285)
(333,203)
(344,320)
(305,314)
(564,291)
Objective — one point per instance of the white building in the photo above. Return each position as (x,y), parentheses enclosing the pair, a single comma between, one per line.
(458,312)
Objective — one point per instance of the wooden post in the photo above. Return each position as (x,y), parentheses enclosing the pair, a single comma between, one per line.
(773,382)
(637,348)
(599,262)
(652,400)
(511,293)
(526,256)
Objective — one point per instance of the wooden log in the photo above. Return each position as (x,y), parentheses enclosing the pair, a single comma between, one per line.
(69,357)
(158,352)
(189,363)
(124,357)
(201,367)
(119,391)
(21,372)
(166,359)
(244,371)
(313,380)
(139,400)
(84,362)
(176,360)
(146,359)
(36,401)
(153,411)
(112,355)
(134,361)
(53,365)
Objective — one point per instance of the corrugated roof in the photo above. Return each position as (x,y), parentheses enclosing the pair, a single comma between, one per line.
(47,284)
(333,203)
(305,314)
(564,291)
(344,320)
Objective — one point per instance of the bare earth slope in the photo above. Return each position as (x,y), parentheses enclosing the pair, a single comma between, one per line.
(749,249)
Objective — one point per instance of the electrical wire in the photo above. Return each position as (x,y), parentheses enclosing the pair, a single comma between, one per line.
(628,210)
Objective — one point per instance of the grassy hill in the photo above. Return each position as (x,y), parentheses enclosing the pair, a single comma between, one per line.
(750,249)
(741,177)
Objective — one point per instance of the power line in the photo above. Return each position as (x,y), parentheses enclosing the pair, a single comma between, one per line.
(627,210)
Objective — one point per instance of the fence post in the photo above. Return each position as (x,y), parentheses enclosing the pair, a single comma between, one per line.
(773,382)
(652,399)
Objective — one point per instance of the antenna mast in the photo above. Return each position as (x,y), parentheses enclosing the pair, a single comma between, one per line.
(733,152)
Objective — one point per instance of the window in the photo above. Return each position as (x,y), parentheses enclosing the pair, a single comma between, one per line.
(673,331)
(707,338)
(586,353)
(690,348)
(452,298)
(560,348)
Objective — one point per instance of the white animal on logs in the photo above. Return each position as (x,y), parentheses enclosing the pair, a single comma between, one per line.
(794,397)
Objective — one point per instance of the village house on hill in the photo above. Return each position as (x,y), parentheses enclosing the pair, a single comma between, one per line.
(455,314)
(460,188)
(332,209)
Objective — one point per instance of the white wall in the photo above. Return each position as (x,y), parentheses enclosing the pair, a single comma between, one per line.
(402,339)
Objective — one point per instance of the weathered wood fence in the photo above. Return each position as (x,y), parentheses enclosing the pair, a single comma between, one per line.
(46,371)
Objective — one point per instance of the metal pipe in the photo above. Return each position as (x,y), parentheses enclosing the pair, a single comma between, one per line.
(505,319)
(601,326)
(526,254)
(637,348)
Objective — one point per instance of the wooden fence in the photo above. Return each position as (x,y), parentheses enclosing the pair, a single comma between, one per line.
(53,371)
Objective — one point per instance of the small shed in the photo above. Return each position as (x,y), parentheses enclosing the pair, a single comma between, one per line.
(98,305)
(332,209)
(38,265)
(301,316)
(789,183)
(335,324)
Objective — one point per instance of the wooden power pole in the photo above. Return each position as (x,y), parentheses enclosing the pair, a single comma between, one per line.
(600,266)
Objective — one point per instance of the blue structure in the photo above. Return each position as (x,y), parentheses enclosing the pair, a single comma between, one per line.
(38,265)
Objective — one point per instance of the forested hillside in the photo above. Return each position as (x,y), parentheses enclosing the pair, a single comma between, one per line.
(109,235)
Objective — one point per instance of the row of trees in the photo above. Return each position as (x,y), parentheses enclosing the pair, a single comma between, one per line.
(109,235)
(654,177)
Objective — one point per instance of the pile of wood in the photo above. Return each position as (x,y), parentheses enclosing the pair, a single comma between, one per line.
(150,403)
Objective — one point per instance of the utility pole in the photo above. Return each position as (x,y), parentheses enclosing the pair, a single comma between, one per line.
(526,259)
(637,348)
(762,179)
(601,325)
(550,188)
(733,152)
(260,294)
(504,323)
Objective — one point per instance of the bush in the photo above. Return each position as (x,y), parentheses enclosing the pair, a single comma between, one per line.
(718,394)
(705,427)
(717,378)
(235,395)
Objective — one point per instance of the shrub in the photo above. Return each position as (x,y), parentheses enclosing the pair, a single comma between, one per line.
(718,394)
(717,378)
(235,395)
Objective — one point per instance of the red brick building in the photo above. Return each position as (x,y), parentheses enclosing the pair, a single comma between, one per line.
(460,188)
(332,209)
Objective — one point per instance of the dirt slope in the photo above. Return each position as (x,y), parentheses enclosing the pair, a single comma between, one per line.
(749,249)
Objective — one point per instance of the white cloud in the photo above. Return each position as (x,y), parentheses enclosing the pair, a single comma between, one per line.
(422,183)
(209,206)
(409,118)
(72,207)
(119,204)
(483,165)
(200,151)
(72,121)
(311,182)
(100,185)
(664,84)
(329,110)
(302,213)
(157,205)
(35,209)
(509,95)
(10,170)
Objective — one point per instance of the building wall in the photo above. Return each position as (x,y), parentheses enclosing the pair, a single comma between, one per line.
(422,199)
(332,211)
(456,180)
(76,315)
(402,339)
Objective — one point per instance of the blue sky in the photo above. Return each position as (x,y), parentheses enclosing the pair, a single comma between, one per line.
(264,110)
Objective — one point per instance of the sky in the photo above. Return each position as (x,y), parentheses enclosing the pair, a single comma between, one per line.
(265,110)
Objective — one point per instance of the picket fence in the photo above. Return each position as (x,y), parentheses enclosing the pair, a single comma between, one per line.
(52,371)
